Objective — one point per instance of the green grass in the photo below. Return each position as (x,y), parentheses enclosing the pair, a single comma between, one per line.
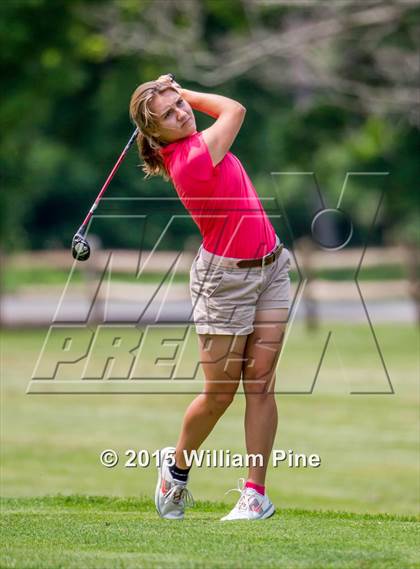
(377,273)
(95,532)
(16,278)
(368,445)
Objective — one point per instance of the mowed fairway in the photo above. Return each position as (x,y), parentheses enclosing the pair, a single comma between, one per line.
(105,533)
(368,444)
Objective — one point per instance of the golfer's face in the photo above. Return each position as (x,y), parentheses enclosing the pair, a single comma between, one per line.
(175,116)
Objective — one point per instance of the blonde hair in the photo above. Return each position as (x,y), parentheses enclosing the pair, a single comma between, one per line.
(146,121)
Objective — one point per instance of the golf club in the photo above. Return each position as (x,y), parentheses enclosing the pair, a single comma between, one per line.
(79,246)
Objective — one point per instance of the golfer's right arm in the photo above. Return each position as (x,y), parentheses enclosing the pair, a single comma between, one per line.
(229,115)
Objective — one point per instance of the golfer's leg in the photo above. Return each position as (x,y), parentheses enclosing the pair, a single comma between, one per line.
(261,355)
(221,357)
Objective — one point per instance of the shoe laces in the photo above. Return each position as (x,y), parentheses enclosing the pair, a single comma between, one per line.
(177,493)
(240,487)
(244,502)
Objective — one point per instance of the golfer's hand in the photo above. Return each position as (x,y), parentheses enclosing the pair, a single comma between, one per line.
(170,80)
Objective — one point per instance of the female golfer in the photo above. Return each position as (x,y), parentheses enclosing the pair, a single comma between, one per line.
(239,282)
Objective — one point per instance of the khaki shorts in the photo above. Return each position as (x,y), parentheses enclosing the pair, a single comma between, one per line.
(225,298)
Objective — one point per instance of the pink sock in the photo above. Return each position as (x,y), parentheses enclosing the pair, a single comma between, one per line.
(257,487)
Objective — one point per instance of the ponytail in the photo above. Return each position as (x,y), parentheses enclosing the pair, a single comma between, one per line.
(153,164)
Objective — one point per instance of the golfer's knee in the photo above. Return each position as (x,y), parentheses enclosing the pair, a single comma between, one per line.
(260,399)
(218,402)
(259,392)
(259,386)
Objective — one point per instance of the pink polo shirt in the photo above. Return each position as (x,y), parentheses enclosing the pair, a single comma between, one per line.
(221,200)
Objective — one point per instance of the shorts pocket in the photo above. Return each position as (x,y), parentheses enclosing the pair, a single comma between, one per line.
(215,283)
(206,280)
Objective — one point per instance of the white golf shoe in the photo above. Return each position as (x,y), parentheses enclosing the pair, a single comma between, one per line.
(250,506)
(171,496)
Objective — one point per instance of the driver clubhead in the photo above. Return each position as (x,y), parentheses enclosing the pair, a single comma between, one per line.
(80,248)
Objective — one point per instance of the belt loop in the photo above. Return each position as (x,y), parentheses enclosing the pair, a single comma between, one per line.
(263,265)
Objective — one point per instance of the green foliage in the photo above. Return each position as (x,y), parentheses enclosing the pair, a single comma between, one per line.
(64,119)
